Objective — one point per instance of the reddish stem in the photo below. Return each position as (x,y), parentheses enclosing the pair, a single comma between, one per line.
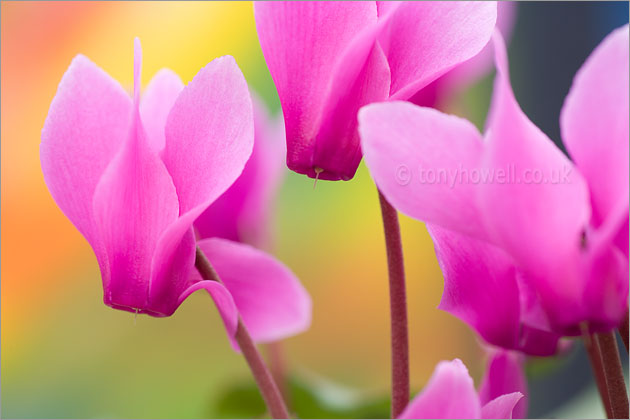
(623,330)
(264,380)
(613,372)
(398,308)
(595,356)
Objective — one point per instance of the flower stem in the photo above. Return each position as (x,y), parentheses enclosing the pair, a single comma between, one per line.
(613,372)
(398,308)
(278,368)
(264,380)
(595,356)
(623,330)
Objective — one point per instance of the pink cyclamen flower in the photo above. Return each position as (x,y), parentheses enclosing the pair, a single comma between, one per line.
(451,394)
(438,93)
(328,59)
(564,224)
(243,212)
(133,175)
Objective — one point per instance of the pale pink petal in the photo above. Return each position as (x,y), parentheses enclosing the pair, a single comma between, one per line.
(88,121)
(209,134)
(424,162)
(449,394)
(472,70)
(539,214)
(209,138)
(504,375)
(594,123)
(503,407)
(223,301)
(480,286)
(270,299)
(424,40)
(315,52)
(134,202)
(242,213)
(156,103)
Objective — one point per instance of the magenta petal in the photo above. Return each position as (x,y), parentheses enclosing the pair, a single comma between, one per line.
(209,138)
(242,213)
(594,123)
(209,134)
(426,39)
(222,299)
(424,161)
(449,394)
(502,407)
(504,375)
(479,286)
(270,299)
(313,51)
(134,202)
(539,214)
(157,101)
(88,121)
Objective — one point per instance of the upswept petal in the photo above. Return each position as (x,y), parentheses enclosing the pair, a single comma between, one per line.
(502,407)
(504,375)
(424,40)
(134,202)
(480,286)
(449,394)
(242,213)
(424,162)
(304,44)
(539,214)
(270,299)
(88,121)
(209,138)
(156,103)
(594,123)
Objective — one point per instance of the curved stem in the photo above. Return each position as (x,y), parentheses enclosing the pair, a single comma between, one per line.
(264,380)
(613,372)
(398,308)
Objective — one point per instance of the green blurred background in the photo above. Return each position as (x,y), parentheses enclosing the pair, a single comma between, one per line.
(66,355)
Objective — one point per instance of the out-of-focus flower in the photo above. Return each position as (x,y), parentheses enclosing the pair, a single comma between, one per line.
(328,59)
(484,288)
(438,93)
(451,394)
(133,177)
(504,375)
(564,224)
(243,212)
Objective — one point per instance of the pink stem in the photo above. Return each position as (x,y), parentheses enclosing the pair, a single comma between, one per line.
(267,386)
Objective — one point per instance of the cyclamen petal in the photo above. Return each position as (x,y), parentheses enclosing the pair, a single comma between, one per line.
(503,388)
(88,121)
(328,59)
(571,268)
(268,296)
(157,101)
(243,212)
(451,394)
(422,172)
(594,123)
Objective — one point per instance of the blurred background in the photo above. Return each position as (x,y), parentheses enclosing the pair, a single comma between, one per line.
(66,355)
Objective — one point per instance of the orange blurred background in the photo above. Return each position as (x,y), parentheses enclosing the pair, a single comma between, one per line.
(65,354)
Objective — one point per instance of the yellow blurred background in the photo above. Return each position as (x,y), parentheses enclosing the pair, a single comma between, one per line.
(65,354)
